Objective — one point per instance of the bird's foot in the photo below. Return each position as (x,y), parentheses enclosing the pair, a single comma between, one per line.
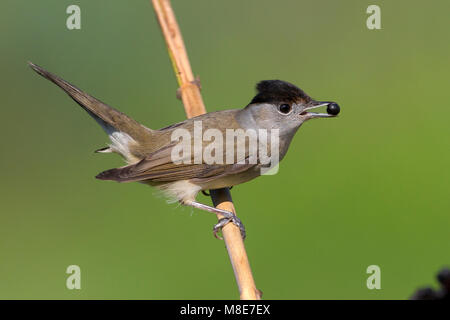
(224,221)
(227,217)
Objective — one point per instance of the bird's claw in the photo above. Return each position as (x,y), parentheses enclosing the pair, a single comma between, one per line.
(224,221)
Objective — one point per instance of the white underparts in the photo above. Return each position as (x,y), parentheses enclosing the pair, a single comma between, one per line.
(182,190)
(121,143)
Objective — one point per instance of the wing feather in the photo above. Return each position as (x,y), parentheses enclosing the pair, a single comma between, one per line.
(159,167)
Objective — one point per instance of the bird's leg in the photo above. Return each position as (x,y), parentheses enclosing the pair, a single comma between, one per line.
(227,217)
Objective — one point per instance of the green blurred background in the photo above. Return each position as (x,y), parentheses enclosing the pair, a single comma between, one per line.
(370,187)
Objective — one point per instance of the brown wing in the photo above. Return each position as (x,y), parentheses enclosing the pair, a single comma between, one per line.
(159,167)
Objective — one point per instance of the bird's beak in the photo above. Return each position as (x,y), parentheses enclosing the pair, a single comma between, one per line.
(311,115)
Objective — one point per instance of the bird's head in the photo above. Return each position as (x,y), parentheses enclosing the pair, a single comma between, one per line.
(280,104)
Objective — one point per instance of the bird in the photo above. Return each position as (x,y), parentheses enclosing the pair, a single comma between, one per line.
(278,106)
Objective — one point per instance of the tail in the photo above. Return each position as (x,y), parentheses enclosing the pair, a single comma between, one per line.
(112,120)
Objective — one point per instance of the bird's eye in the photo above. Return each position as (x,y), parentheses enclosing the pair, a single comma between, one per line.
(285,108)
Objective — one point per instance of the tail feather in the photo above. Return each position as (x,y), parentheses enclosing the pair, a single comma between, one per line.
(108,174)
(115,174)
(104,150)
(109,118)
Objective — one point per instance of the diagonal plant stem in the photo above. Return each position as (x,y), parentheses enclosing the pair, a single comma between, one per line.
(194,106)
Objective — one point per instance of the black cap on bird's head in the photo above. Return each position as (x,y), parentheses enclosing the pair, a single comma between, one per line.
(278,91)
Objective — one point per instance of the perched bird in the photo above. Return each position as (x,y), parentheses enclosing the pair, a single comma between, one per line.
(277,107)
